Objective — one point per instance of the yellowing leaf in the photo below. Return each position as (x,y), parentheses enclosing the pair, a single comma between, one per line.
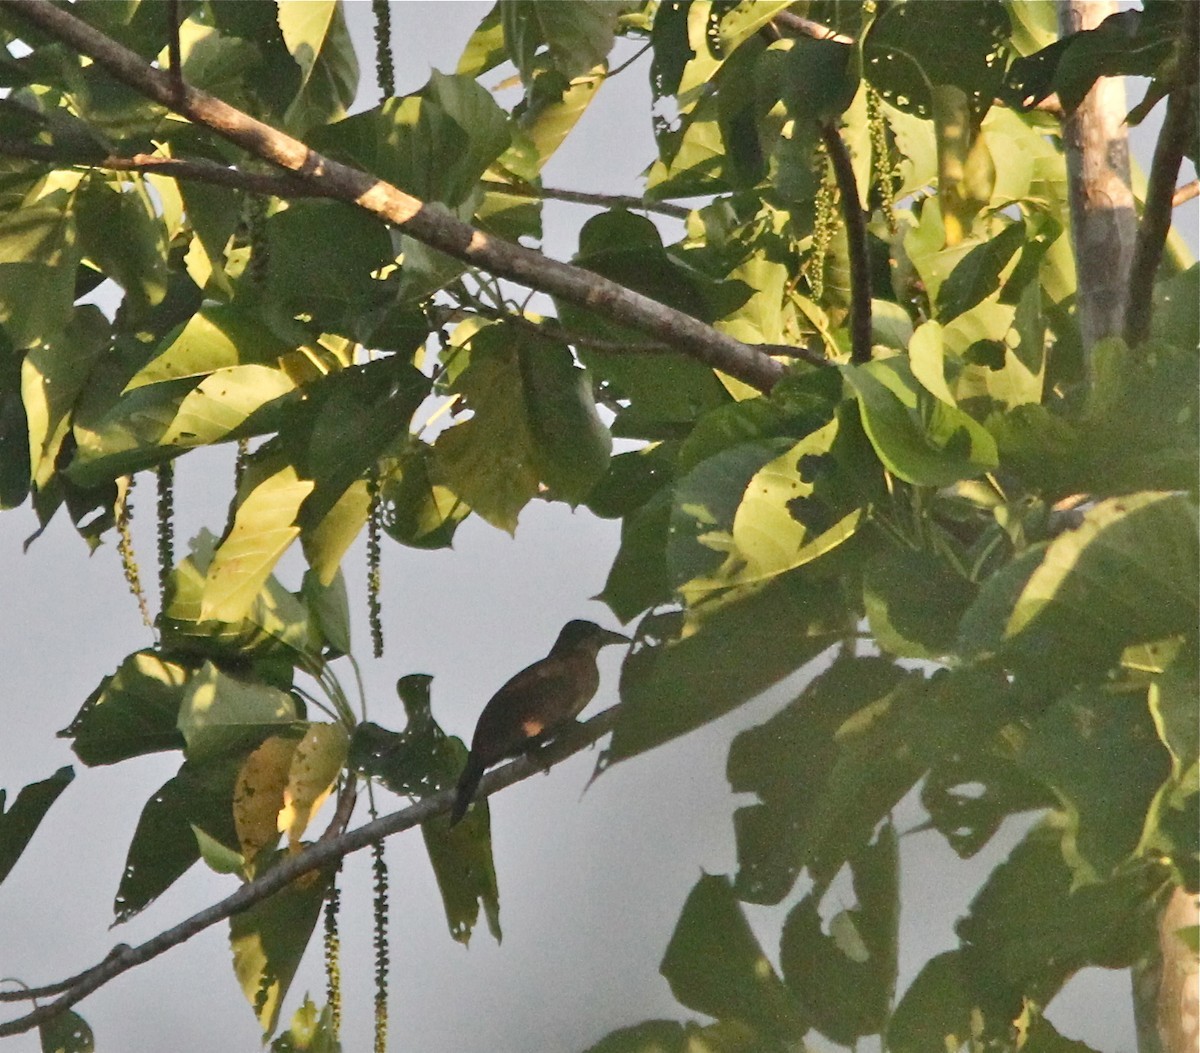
(315,765)
(258,794)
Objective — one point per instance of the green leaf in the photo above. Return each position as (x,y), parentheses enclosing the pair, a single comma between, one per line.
(219,710)
(311,1031)
(315,33)
(1104,805)
(264,527)
(14,430)
(421,760)
(819,79)
(1028,929)
(628,249)
(131,712)
(39,253)
(935,1012)
(800,501)
(917,436)
(715,965)
(534,418)
(571,443)
(276,623)
(20,822)
(682,674)
(977,275)
(329,608)
(193,804)
(638,578)
(902,62)
(121,233)
(436,144)
(153,423)
(324,261)
(968,794)
(554,106)
(571,38)
(485,49)
(1136,43)
(415,510)
(269,939)
(1122,577)
(850,733)
(846,980)
(53,376)
(217,337)
(914,601)
(66,1032)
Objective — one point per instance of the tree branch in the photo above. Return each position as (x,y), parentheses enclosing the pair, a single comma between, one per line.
(581,197)
(434,227)
(856,243)
(199,171)
(1185,193)
(1160,186)
(322,854)
(552,329)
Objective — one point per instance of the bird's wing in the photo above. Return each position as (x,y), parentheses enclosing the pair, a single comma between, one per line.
(531,703)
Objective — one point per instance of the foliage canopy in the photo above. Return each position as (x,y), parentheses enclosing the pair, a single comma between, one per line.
(985,531)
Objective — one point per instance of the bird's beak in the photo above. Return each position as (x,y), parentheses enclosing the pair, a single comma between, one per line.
(607,636)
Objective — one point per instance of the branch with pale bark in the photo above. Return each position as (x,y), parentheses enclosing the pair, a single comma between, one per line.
(323,854)
(431,226)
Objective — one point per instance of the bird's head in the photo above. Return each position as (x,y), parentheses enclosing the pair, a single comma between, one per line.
(580,635)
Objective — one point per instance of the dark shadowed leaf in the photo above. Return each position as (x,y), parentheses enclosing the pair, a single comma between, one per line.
(20,822)
(131,712)
(846,978)
(715,965)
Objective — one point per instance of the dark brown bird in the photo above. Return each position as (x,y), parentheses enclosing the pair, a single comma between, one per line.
(539,701)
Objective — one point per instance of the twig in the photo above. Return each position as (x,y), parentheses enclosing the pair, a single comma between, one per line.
(1160,186)
(581,197)
(807,27)
(434,227)
(856,243)
(552,329)
(1185,193)
(177,168)
(317,856)
(174,53)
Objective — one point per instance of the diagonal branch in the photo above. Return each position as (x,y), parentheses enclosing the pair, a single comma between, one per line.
(431,226)
(323,853)
(1160,187)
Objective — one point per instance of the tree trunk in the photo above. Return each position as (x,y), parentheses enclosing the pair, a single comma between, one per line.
(1103,217)
(1166,997)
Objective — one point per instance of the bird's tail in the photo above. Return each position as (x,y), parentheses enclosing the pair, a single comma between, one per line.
(468,783)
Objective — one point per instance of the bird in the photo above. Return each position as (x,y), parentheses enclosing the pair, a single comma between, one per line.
(535,704)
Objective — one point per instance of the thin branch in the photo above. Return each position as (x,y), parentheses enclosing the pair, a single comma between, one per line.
(1185,193)
(174,53)
(149,164)
(552,329)
(580,197)
(856,243)
(1160,186)
(321,855)
(434,227)
(807,27)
